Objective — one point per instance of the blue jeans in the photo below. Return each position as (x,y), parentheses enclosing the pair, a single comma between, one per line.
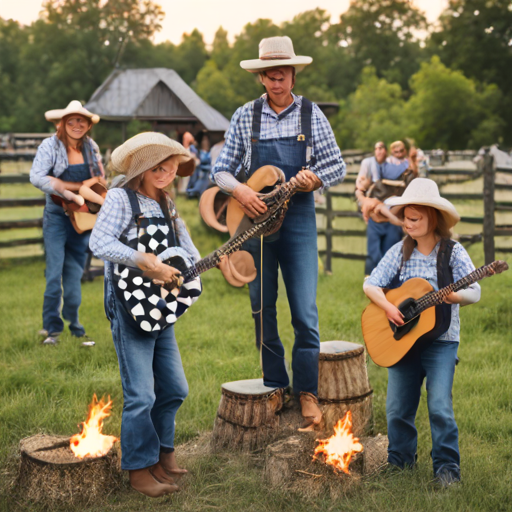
(380,237)
(437,365)
(294,250)
(154,386)
(66,254)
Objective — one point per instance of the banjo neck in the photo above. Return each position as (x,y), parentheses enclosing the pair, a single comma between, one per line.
(277,203)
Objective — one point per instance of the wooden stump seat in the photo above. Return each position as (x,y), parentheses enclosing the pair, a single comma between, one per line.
(343,385)
(247,415)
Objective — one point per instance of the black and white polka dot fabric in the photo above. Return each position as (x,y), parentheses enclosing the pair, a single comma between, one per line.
(151,306)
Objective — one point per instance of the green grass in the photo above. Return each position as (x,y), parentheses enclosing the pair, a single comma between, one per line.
(47,389)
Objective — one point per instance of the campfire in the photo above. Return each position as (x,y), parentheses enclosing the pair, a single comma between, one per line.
(91,442)
(339,449)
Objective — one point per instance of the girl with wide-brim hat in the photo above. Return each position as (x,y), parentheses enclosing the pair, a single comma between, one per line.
(62,163)
(429,253)
(152,376)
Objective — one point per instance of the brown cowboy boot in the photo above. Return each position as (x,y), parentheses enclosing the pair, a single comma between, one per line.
(170,466)
(143,481)
(310,411)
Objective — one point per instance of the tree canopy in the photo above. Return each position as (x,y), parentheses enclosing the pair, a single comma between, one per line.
(393,75)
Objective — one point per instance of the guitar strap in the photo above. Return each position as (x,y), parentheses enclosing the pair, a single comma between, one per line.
(443,311)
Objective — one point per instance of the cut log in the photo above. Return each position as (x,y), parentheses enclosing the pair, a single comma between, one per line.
(50,472)
(343,385)
(247,415)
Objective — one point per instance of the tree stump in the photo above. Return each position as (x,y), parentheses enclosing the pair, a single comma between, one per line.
(247,415)
(50,472)
(343,385)
(289,463)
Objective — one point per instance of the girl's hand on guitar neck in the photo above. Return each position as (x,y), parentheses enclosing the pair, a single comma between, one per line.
(249,201)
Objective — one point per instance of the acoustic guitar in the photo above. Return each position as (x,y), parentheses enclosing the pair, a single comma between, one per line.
(387,343)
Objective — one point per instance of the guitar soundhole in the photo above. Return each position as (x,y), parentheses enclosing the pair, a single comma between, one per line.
(411,318)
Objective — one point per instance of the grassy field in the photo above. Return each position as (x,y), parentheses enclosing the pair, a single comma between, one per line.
(47,389)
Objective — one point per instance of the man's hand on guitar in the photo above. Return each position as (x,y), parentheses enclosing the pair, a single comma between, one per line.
(308,181)
(249,200)
(394,315)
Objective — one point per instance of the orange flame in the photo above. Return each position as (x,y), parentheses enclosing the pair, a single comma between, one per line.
(91,442)
(339,448)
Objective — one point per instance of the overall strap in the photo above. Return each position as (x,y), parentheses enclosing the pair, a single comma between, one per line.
(256,120)
(306,116)
(172,237)
(134,203)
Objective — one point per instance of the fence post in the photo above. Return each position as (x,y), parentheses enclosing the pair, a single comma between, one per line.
(328,234)
(488,227)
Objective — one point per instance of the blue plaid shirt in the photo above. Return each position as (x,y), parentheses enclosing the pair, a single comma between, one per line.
(329,165)
(425,267)
(115,219)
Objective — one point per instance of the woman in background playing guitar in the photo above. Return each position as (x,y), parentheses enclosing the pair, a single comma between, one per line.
(64,161)
(426,252)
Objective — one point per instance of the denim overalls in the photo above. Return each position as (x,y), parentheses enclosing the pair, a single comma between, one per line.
(66,254)
(293,249)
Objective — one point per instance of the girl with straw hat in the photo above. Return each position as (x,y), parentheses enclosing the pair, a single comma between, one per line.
(126,233)
(427,252)
(61,164)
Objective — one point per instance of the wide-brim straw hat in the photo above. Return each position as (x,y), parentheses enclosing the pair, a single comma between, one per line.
(212,208)
(74,107)
(424,192)
(275,52)
(145,151)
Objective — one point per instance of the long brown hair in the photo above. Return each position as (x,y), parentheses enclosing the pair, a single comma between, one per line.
(436,223)
(63,136)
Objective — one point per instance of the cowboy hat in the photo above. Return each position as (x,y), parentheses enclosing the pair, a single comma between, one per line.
(212,207)
(275,52)
(238,268)
(74,107)
(145,151)
(424,192)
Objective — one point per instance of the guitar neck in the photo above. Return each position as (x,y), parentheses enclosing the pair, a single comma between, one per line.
(436,298)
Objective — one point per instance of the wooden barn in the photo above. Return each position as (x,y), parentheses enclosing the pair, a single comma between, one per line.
(157,95)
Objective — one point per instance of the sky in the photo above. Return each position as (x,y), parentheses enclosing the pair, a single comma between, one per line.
(209,15)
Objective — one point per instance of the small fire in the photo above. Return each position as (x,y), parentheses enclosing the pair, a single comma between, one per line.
(91,442)
(339,448)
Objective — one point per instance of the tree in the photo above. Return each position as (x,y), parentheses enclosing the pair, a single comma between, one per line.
(448,110)
(475,36)
(382,34)
(191,56)
(375,111)
(214,87)
(221,51)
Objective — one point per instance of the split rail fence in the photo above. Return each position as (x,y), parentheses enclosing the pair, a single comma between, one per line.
(490,230)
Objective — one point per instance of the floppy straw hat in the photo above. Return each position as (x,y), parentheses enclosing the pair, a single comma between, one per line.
(274,52)
(424,192)
(145,151)
(74,107)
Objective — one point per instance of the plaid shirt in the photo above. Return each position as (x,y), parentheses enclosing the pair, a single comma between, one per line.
(115,219)
(425,267)
(329,165)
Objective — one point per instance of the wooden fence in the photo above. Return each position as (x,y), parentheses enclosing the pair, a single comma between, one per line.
(489,228)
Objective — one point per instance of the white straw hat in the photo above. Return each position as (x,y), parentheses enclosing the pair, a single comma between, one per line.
(145,151)
(274,52)
(424,192)
(74,107)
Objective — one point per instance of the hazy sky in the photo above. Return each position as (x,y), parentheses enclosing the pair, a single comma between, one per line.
(208,15)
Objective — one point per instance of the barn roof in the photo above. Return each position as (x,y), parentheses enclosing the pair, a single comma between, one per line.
(154,94)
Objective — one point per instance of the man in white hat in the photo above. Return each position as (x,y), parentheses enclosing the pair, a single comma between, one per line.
(291,133)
